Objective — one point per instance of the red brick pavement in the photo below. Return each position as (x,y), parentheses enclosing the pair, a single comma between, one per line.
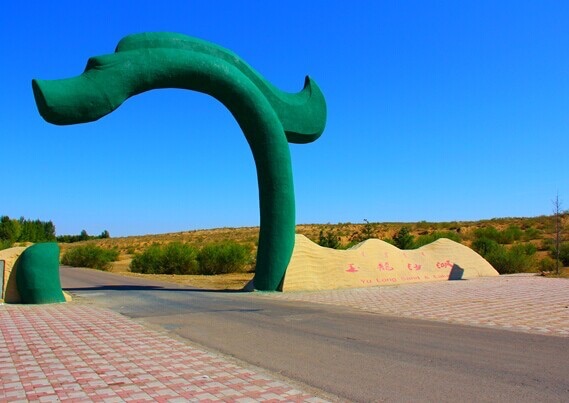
(75,353)
(524,303)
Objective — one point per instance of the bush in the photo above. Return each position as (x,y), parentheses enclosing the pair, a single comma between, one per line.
(329,240)
(547,244)
(430,238)
(518,259)
(365,232)
(563,253)
(488,232)
(173,258)
(547,264)
(509,235)
(484,246)
(90,256)
(224,257)
(531,234)
(403,239)
(5,244)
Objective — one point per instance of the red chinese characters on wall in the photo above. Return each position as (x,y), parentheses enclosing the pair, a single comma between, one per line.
(384,266)
(444,265)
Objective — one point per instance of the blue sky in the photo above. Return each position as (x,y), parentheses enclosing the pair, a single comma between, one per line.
(437,111)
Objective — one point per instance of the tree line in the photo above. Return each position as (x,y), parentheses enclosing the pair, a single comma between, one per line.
(82,237)
(24,230)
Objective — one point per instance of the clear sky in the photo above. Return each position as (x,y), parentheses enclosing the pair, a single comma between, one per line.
(437,111)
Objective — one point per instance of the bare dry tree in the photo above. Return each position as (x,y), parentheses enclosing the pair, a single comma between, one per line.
(557,213)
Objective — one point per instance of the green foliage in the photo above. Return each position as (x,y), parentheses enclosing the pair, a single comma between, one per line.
(403,239)
(329,240)
(180,258)
(23,230)
(488,232)
(485,246)
(509,235)
(517,259)
(173,258)
(531,233)
(429,238)
(547,264)
(224,257)
(367,231)
(547,244)
(9,229)
(563,253)
(90,256)
(83,236)
(5,244)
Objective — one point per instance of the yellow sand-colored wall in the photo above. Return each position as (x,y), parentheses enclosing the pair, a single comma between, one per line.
(374,263)
(10,291)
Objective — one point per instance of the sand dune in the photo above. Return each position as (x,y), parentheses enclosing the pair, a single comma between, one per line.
(9,292)
(375,262)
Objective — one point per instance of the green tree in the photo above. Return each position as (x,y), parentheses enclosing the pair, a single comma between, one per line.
(9,230)
(403,239)
(84,236)
(330,239)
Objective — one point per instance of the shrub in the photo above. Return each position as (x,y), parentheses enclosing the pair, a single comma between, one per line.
(90,256)
(484,245)
(531,234)
(547,264)
(488,232)
(429,238)
(547,244)
(563,253)
(224,257)
(403,239)
(5,244)
(365,232)
(173,258)
(510,235)
(329,240)
(518,259)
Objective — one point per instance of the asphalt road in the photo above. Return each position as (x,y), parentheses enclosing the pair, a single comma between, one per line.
(350,354)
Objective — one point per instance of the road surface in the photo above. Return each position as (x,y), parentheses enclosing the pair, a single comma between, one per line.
(353,355)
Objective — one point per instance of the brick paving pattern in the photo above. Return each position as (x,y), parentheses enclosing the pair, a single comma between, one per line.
(524,303)
(76,352)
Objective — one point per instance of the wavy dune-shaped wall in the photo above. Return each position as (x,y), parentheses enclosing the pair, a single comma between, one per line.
(9,292)
(375,262)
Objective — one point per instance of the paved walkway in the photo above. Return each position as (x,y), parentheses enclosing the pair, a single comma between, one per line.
(79,352)
(525,303)
(76,352)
